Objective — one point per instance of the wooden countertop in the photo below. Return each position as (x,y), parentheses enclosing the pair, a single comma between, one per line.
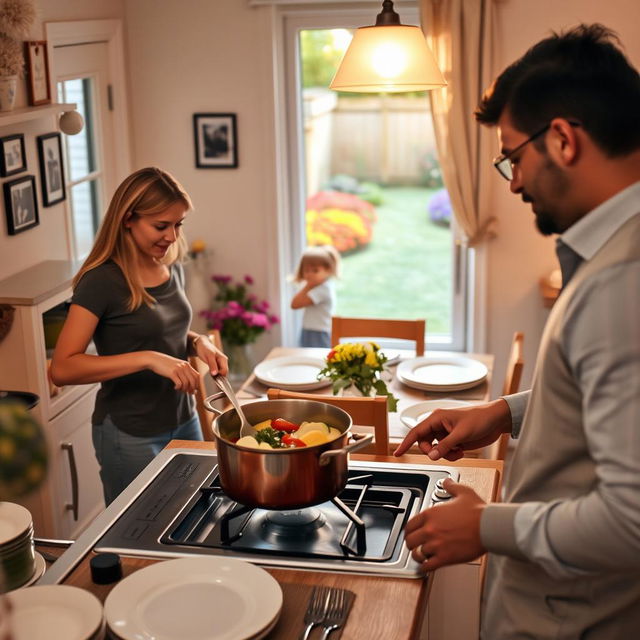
(390,608)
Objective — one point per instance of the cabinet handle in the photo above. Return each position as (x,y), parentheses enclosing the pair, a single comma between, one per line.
(68,447)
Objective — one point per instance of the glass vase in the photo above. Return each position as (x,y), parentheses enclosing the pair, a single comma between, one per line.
(241,362)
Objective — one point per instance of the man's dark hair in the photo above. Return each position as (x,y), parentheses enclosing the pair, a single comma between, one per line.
(579,74)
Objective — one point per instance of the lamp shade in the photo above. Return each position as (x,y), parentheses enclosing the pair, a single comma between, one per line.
(390,58)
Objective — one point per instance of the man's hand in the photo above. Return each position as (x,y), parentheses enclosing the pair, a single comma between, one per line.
(458,429)
(448,533)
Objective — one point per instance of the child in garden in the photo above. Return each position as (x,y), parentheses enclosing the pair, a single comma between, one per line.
(317,268)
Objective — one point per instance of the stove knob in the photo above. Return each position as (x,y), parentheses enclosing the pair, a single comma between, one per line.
(440,493)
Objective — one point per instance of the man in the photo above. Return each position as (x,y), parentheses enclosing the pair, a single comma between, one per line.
(565,546)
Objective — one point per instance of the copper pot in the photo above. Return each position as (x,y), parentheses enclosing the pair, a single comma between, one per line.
(283,479)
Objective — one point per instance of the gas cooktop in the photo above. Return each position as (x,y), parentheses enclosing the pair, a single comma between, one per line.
(183,511)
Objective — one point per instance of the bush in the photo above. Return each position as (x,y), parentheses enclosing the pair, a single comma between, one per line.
(342,220)
(430,170)
(368,191)
(439,208)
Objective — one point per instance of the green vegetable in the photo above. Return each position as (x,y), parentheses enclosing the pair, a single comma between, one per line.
(270,436)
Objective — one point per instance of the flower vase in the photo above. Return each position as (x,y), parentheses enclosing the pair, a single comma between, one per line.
(8,87)
(240,362)
(354,392)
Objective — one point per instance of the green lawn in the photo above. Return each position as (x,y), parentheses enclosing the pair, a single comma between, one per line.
(405,272)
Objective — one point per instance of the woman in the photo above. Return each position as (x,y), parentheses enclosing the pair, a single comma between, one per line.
(129,299)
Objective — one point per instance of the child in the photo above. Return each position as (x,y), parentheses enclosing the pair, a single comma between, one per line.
(317,268)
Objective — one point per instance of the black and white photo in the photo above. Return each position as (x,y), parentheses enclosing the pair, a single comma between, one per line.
(216,140)
(51,170)
(20,204)
(12,156)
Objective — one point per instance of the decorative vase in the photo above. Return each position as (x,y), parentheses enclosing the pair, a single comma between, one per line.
(353,391)
(240,362)
(8,87)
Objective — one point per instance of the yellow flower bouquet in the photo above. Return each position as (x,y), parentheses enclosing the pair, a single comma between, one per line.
(358,364)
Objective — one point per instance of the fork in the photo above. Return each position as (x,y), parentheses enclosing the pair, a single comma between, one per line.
(336,611)
(315,613)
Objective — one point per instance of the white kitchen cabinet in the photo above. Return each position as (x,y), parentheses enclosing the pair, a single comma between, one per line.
(72,494)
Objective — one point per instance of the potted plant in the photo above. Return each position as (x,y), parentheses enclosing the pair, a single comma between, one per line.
(16,18)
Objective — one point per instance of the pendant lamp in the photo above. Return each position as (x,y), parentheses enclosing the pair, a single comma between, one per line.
(388,56)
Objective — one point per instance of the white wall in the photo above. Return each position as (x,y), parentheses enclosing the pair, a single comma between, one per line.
(210,57)
(519,256)
(48,241)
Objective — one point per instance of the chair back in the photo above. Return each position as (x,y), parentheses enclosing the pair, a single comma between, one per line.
(205,417)
(371,412)
(513,375)
(379,328)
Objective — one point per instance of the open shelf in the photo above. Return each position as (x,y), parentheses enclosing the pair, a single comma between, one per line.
(33,113)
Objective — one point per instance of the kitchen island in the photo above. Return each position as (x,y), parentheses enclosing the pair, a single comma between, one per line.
(385,607)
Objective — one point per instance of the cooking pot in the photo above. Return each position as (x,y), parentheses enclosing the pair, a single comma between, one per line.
(283,479)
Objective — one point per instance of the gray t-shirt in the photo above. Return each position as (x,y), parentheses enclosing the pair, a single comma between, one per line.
(144,403)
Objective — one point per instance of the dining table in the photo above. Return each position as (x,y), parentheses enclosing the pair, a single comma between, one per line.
(253,389)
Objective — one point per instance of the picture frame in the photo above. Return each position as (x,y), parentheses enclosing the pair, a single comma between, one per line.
(21,204)
(13,158)
(216,140)
(51,168)
(39,91)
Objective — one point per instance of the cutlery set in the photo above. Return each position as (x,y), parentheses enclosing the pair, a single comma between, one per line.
(328,607)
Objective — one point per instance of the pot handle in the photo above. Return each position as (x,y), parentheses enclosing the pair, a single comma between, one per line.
(209,399)
(361,442)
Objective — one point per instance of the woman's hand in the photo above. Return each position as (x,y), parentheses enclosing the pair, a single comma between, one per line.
(457,430)
(215,359)
(180,372)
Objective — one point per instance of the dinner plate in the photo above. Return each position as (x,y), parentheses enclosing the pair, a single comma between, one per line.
(293,373)
(54,612)
(40,566)
(442,373)
(15,520)
(194,599)
(418,412)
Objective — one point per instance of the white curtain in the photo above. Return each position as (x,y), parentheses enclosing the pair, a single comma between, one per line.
(459,33)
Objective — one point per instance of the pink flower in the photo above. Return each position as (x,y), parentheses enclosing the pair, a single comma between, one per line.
(248,279)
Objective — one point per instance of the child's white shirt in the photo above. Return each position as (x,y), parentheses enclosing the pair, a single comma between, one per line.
(317,316)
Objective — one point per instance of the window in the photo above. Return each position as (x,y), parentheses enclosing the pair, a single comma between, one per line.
(364,176)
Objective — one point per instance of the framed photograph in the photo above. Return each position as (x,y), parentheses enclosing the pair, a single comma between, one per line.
(51,171)
(13,159)
(20,204)
(37,72)
(216,140)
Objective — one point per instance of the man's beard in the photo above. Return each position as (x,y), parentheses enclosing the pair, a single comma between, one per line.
(547,220)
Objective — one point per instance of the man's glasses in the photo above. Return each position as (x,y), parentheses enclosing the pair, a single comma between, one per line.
(503,162)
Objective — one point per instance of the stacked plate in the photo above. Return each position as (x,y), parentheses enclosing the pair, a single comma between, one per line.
(442,373)
(19,564)
(194,598)
(56,612)
(293,373)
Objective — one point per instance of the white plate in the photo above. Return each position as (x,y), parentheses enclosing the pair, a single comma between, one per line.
(418,412)
(194,599)
(54,612)
(14,521)
(40,566)
(292,373)
(442,373)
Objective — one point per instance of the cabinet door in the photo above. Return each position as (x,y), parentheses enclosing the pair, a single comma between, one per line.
(75,478)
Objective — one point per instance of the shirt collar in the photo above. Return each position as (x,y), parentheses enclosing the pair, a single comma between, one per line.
(589,233)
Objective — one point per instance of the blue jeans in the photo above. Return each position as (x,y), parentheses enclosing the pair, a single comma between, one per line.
(313,338)
(122,457)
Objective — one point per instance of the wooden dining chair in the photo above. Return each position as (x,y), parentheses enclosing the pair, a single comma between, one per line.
(513,375)
(379,328)
(370,412)
(205,417)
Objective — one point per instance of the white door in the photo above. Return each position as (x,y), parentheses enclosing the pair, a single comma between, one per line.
(82,77)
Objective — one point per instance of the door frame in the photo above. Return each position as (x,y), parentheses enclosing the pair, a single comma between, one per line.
(289,155)
(109,32)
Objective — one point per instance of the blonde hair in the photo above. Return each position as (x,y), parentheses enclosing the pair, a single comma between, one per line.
(145,192)
(325,255)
